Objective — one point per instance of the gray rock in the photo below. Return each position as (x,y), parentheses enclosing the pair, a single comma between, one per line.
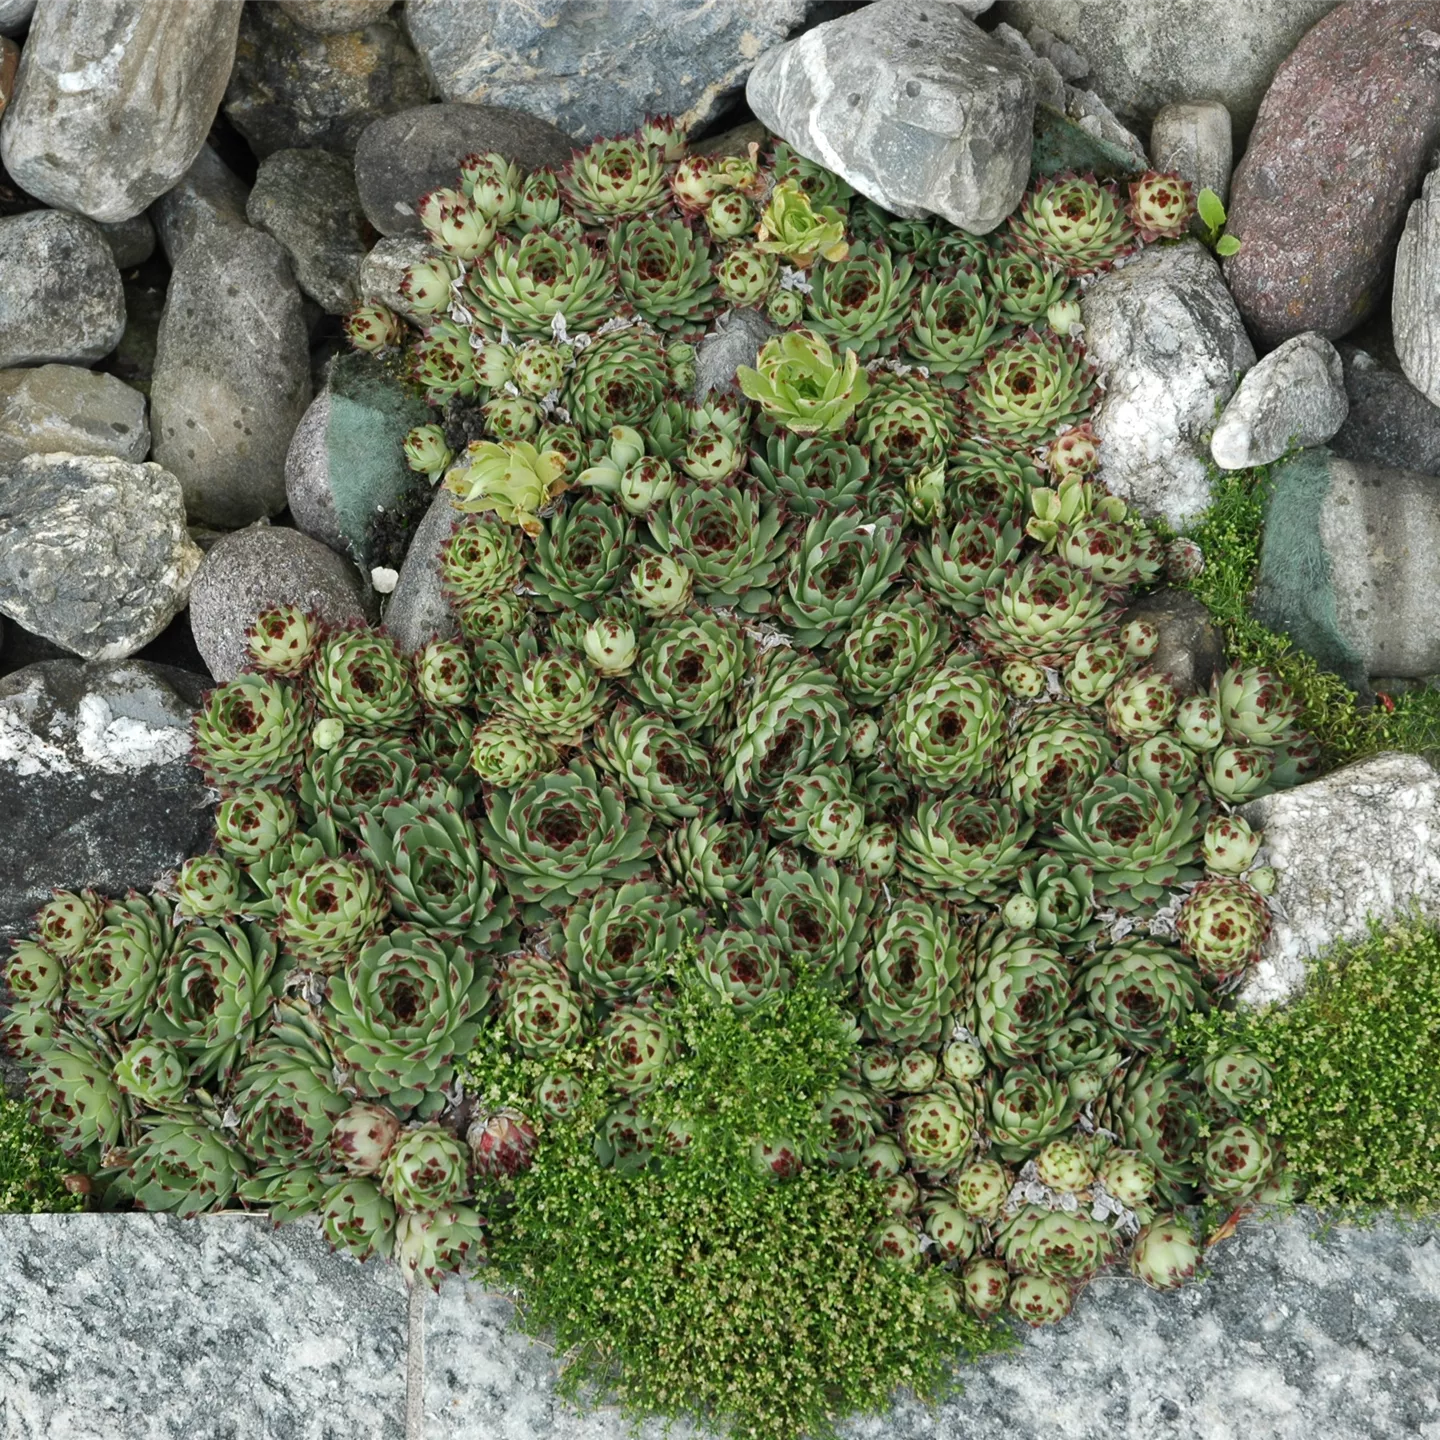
(1387,807)
(1390,421)
(912,103)
(131,242)
(345,473)
(1148,53)
(208,194)
(61,298)
(401,157)
(292,88)
(334,17)
(417,610)
(735,340)
(232,376)
(15,15)
(1415,301)
(1295,396)
(95,780)
(382,270)
(212,1328)
(1301,1330)
(307,200)
(1193,139)
(1191,648)
(67,408)
(1170,346)
(133,359)
(93,551)
(114,100)
(597,69)
(253,570)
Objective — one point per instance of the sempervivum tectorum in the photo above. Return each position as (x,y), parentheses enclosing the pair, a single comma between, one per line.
(887,642)
(619,940)
(359,774)
(1028,388)
(1056,751)
(1025,285)
(947,725)
(250,731)
(613,179)
(1140,705)
(1161,205)
(1073,221)
(1022,992)
(730,536)
(811,471)
(907,422)
(619,380)
(112,980)
(952,321)
(690,668)
(664,270)
(936,1130)
(329,910)
(282,640)
(912,975)
(1043,612)
(741,967)
(817,915)
(1222,925)
(1238,1160)
(1166,1253)
(522,284)
(840,564)
(362,679)
(957,563)
(1153,1104)
(802,384)
(1061,895)
(1141,991)
(1256,706)
(502,1143)
(1025,1105)
(991,481)
(963,847)
(858,302)
(659,764)
(372,328)
(794,229)
(443,364)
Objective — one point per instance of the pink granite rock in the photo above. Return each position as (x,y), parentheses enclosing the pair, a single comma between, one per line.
(1338,150)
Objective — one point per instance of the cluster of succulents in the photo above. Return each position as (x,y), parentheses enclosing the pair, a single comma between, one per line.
(828,673)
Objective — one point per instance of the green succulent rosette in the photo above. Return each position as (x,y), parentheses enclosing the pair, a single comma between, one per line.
(619,940)
(1082,1044)
(953,320)
(1062,892)
(329,909)
(557,838)
(112,981)
(913,974)
(714,861)
(730,537)
(512,479)
(887,643)
(553,693)
(620,379)
(76,1099)
(1025,285)
(811,472)
(1238,1159)
(1023,989)
(208,887)
(626,1139)
(1139,839)
(742,967)
(690,668)
(519,286)
(848,1122)
(404,1009)
(357,776)
(1028,388)
(541,1013)
(992,481)
(1141,990)
(431,1244)
(1065,1245)
(1043,611)
(958,563)
(287,1192)
(907,423)
(659,765)
(1073,221)
(946,727)
(1154,1105)
(481,557)
(33,975)
(362,679)
(507,753)
(442,363)
(936,1131)
(802,385)
(822,187)
(152,1073)
(612,179)
(580,556)
(252,820)
(181,1166)
(1236,1079)
(357,1217)
(427,1169)
(664,271)
(1222,925)
(1056,752)
(1256,706)
(818,915)
(964,847)
(1025,1106)
(250,731)
(792,228)
(858,302)
(841,563)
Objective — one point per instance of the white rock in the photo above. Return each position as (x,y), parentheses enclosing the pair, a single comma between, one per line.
(1361,842)
(1295,396)
(1169,343)
(1415,301)
(1194,140)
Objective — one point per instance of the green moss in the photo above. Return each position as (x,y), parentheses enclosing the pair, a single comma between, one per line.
(1354,1102)
(32,1170)
(678,1290)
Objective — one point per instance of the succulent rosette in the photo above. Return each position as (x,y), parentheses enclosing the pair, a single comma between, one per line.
(1063,1244)
(1166,1253)
(664,271)
(1025,1106)
(1062,895)
(358,775)
(908,423)
(1237,1077)
(954,319)
(821,186)
(514,480)
(912,974)
(1237,1159)
(817,915)
(946,727)
(964,847)
(936,1131)
(887,642)
(1056,752)
(520,285)
(613,179)
(741,966)
(658,764)
(1026,285)
(730,538)
(1222,925)
(1043,612)
(858,302)
(329,909)
(1022,993)
(621,379)
(1153,1104)
(958,563)
(77,1098)
(1028,388)
(553,693)
(808,472)
(249,731)
(1256,706)
(714,861)
(426,1169)
(430,1244)
(181,1166)
(690,668)
(802,384)
(792,228)
(357,1217)
(113,980)
(1161,205)
(1141,990)
(619,940)
(840,564)
(1073,221)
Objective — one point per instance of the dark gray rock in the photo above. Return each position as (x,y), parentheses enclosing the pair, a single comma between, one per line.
(15,15)
(1193,138)
(912,103)
(1415,300)
(1390,421)
(735,340)
(401,157)
(292,88)
(253,570)
(382,270)
(114,99)
(1170,346)
(96,782)
(133,359)
(61,298)
(209,193)
(93,551)
(1191,648)
(334,17)
(597,69)
(417,610)
(217,1328)
(131,242)
(1148,53)
(307,200)
(67,408)
(232,376)
(1294,396)
(1318,201)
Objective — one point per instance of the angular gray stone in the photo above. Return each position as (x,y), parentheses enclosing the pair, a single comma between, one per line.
(1387,808)
(417,610)
(1192,646)
(597,69)
(401,157)
(912,103)
(334,17)
(61,298)
(292,88)
(15,15)
(95,780)
(1415,300)
(1148,53)
(148,1326)
(735,340)
(93,551)
(232,375)
(382,270)
(1193,139)
(307,200)
(67,408)
(1295,396)
(114,100)
(1169,344)
(1298,1332)
(209,193)
(255,569)
(131,242)
(1390,422)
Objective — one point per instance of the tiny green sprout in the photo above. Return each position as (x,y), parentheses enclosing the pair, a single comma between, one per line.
(1212,212)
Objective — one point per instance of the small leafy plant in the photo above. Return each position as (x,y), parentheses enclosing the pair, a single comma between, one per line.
(1211,209)
(32,1169)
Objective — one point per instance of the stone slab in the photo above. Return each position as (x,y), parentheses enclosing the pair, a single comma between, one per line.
(143,1327)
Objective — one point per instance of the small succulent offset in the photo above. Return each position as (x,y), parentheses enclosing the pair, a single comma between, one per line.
(824,685)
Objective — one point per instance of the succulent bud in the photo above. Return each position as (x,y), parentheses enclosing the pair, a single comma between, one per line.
(834,829)
(1140,638)
(443,675)
(897,1244)
(456,224)
(1021,912)
(876,850)
(785,308)
(645,484)
(661,585)
(610,645)
(880,1067)
(494,365)
(1198,723)
(1063,316)
(373,327)
(425,286)
(502,1143)
(986,1283)
(327,733)
(559,1094)
(1039,1299)
(1229,845)
(917,1071)
(963,1060)
(512,417)
(1166,1254)
(775,1159)
(282,640)
(864,736)
(493,184)
(882,1158)
(363,1138)
(1264,879)
(900,1194)
(426,451)
(1064,1166)
(1022,678)
(1075,454)
(729,216)
(538,369)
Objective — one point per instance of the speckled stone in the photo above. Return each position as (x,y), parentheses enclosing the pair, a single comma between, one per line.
(384,267)
(209,193)
(1387,808)
(148,1328)
(1390,421)
(334,17)
(417,611)
(65,407)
